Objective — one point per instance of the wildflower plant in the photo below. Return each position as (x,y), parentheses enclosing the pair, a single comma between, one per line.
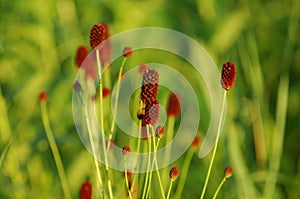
(157,127)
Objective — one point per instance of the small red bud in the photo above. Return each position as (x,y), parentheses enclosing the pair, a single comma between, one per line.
(196,142)
(127,52)
(160,132)
(105,92)
(43,96)
(126,150)
(174,173)
(228,172)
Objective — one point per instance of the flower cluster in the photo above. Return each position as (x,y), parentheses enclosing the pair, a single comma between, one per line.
(148,96)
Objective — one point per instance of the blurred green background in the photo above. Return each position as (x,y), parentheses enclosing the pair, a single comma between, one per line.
(260,138)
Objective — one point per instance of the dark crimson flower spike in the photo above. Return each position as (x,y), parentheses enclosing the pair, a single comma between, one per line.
(98,35)
(228,75)
(174,105)
(81,53)
(86,190)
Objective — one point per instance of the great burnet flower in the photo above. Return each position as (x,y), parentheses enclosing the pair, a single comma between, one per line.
(85,190)
(148,96)
(174,105)
(228,75)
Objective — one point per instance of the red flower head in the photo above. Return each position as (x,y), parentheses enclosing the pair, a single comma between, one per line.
(86,190)
(196,142)
(126,150)
(98,35)
(148,96)
(81,53)
(228,75)
(174,173)
(160,132)
(127,52)
(174,105)
(143,68)
(105,92)
(228,172)
(43,96)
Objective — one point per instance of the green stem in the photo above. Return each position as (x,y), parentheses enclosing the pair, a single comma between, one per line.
(148,164)
(184,172)
(216,146)
(102,122)
(86,115)
(126,179)
(169,191)
(219,187)
(112,128)
(138,150)
(55,152)
(155,146)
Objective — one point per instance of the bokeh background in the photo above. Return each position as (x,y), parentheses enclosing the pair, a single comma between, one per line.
(260,140)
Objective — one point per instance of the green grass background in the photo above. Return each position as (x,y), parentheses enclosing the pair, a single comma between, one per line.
(260,139)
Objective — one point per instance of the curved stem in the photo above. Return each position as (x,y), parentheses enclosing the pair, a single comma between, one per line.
(102,121)
(148,164)
(216,146)
(182,177)
(112,128)
(126,179)
(219,187)
(169,191)
(55,152)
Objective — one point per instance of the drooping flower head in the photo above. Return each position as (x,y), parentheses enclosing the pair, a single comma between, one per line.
(228,75)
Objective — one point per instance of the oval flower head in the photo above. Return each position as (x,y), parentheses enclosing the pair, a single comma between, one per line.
(98,35)
(228,75)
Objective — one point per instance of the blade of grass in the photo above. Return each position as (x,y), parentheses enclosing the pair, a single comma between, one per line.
(4,152)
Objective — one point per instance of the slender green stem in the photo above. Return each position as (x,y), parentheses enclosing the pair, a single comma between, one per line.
(126,178)
(93,147)
(184,171)
(169,191)
(216,146)
(138,150)
(155,146)
(170,133)
(149,160)
(102,122)
(158,176)
(55,152)
(219,187)
(112,128)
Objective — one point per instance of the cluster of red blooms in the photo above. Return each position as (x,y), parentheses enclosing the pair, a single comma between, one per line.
(148,96)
